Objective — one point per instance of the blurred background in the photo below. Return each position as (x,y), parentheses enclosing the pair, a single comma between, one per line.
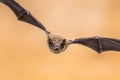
(24,54)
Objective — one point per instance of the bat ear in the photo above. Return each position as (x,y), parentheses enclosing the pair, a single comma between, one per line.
(50,42)
(63,43)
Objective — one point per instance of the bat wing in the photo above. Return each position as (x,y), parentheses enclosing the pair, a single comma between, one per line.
(99,44)
(22,14)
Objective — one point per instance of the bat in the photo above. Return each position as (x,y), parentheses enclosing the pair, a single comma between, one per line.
(58,44)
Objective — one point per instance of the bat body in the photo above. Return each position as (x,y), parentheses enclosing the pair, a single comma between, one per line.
(58,44)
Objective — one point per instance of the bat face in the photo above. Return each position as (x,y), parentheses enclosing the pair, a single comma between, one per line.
(57,44)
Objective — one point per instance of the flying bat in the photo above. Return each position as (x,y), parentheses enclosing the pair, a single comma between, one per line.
(58,44)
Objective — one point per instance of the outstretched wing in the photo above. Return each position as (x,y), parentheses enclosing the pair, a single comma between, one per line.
(99,44)
(22,14)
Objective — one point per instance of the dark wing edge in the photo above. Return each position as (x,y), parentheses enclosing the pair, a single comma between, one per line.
(22,14)
(99,44)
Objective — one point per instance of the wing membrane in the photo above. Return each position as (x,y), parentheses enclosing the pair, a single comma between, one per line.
(99,44)
(22,14)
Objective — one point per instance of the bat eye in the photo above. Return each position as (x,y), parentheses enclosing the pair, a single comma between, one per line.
(63,43)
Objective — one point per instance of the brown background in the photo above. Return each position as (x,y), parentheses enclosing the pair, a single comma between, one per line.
(24,54)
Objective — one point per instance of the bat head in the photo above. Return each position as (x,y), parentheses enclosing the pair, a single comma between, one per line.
(57,44)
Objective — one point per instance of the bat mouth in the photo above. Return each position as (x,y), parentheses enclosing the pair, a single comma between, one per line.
(56,49)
